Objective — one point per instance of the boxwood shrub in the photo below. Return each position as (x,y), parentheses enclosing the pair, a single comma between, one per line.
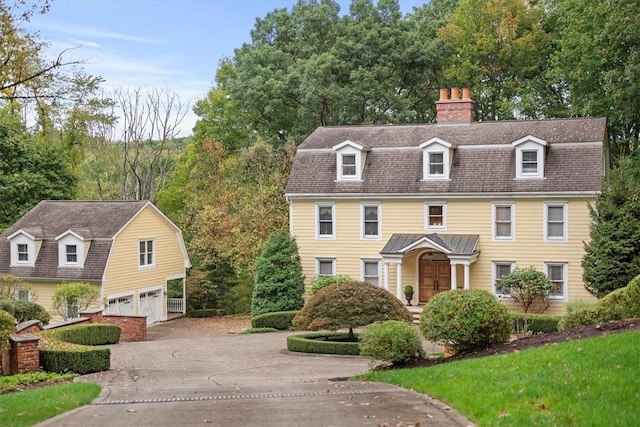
(537,323)
(391,341)
(92,334)
(280,320)
(26,310)
(323,343)
(67,357)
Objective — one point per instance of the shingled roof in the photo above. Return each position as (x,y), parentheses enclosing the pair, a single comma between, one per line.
(98,221)
(483,158)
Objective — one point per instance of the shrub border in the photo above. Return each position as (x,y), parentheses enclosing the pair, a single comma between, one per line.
(309,343)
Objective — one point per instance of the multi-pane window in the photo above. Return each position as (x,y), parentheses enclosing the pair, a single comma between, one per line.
(503,222)
(71,309)
(23,294)
(325,267)
(556,272)
(146,253)
(436,163)
(71,254)
(23,252)
(530,162)
(325,221)
(371,271)
(500,270)
(435,216)
(349,165)
(371,221)
(555,226)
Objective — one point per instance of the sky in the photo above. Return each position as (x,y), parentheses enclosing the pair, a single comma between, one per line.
(170,44)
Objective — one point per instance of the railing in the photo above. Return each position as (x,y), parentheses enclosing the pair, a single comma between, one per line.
(175,305)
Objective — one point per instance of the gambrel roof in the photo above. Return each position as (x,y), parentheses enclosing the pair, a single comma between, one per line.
(97,221)
(483,159)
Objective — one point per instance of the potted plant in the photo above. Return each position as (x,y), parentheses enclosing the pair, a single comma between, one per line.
(408,293)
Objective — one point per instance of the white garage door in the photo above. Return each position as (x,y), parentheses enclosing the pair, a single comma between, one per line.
(151,306)
(121,305)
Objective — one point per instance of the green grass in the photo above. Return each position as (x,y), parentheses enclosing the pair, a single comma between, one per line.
(593,382)
(15,382)
(34,406)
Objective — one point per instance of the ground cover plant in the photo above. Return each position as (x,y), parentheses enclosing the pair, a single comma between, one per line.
(21,382)
(34,406)
(579,382)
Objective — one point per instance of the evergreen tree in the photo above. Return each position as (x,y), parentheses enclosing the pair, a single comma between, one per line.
(279,281)
(612,256)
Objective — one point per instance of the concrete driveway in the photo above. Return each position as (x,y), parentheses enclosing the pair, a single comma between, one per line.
(244,380)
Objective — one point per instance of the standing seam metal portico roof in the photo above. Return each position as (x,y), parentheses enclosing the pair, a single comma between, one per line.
(455,244)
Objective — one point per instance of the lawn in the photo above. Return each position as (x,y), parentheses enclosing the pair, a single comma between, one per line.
(27,408)
(592,382)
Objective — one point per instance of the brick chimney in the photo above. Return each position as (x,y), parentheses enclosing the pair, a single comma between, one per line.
(455,110)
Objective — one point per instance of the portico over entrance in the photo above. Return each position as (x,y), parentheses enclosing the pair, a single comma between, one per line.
(429,262)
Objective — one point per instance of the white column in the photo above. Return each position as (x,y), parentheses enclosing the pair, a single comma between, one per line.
(399,281)
(454,277)
(386,275)
(466,276)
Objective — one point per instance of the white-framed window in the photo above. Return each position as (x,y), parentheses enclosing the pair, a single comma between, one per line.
(370,269)
(71,253)
(371,221)
(557,273)
(23,294)
(436,158)
(500,270)
(349,160)
(23,252)
(71,309)
(555,221)
(530,157)
(325,267)
(504,221)
(435,216)
(325,220)
(146,254)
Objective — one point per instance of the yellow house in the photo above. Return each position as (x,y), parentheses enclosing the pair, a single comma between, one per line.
(455,204)
(129,249)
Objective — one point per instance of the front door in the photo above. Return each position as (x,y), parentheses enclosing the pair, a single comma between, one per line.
(435,275)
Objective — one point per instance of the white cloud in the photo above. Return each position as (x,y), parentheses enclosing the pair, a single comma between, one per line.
(85,43)
(78,31)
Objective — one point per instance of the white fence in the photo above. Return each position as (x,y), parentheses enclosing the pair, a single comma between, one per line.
(175,305)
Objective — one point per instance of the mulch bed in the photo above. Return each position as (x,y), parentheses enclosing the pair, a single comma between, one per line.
(538,340)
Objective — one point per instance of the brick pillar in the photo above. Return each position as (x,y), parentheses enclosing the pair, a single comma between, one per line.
(24,353)
(95,316)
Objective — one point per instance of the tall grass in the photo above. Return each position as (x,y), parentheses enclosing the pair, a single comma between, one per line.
(592,382)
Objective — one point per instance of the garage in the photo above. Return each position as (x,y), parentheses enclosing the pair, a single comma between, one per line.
(121,305)
(151,306)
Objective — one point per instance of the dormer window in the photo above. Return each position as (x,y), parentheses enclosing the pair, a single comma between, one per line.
(72,254)
(70,249)
(23,249)
(436,159)
(23,252)
(350,158)
(529,157)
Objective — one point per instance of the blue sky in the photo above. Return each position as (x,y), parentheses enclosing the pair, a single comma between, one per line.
(164,43)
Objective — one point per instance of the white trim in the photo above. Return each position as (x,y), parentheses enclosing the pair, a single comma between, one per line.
(530,144)
(436,146)
(21,238)
(317,207)
(378,207)
(494,228)
(348,148)
(153,252)
(364,261)
(442,204)
(565,219)
(449,196)
(325,259)
(494,265)
(565,279)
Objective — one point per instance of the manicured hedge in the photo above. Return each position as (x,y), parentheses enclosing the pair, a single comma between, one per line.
(208,312)
(319,342)
(75,358)
(25,310)
(278,320)
(92,334)
(537,323)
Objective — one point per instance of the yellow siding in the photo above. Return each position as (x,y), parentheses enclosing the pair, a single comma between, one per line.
(42,294)
(465,216)
(123,273)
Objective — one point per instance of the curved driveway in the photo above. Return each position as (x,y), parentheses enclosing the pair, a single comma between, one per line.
(244,380)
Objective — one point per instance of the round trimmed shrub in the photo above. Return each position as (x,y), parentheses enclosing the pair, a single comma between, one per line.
(465,320)
(349,305)
(391,341)
(26,310)
(7,327)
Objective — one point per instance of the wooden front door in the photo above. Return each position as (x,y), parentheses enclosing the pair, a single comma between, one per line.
(435,275)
